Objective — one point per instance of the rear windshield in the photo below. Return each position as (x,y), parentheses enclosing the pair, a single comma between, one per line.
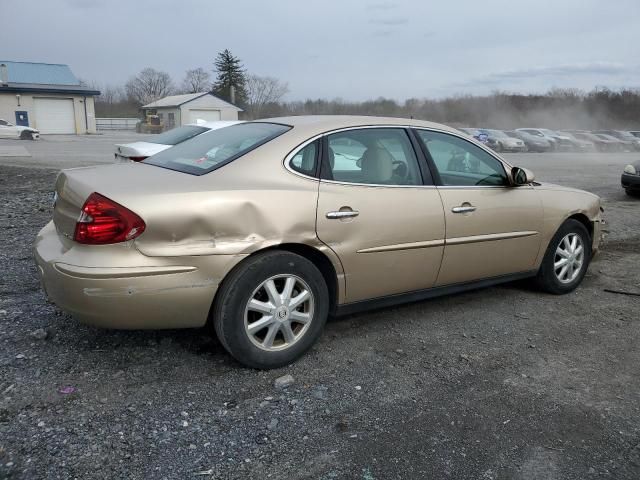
(216,148)
(177,135)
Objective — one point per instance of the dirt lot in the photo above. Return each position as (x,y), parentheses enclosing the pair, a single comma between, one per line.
(503,383)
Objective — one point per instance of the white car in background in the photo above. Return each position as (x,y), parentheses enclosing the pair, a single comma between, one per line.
(138,151)
(9,130)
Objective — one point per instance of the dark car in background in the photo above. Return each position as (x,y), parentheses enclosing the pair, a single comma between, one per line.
(631,179)
(620,145)
(600,144)
(626,137)
(579,144)
(542,133)
(532,142)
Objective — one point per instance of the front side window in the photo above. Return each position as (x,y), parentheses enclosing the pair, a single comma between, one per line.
(375,156)
(305,160)
(461,163)
(208,151)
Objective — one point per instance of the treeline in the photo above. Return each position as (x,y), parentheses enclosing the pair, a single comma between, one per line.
(557,109)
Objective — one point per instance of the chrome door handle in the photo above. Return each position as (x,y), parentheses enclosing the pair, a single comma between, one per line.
(464,209)
(343,214)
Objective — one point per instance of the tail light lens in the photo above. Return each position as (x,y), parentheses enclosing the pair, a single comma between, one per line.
(138,159)
(104,221)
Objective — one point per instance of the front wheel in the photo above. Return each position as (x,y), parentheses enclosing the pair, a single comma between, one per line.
(271,309)
(567,258)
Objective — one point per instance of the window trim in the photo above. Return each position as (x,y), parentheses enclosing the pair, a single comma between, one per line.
(425,175)
(434,170)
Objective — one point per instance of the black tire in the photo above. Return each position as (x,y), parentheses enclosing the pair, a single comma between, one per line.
(237,289)
(546,278)
(632,193)
(24,135)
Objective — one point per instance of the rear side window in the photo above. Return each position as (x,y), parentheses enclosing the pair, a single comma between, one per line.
(305,161)
(177,135)
(216,148)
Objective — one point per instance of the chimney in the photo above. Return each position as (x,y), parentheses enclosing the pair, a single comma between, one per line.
(4,75)
(232,94)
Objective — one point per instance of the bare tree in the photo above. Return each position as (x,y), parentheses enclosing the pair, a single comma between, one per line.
(111,94)
(148,86)
(196,81)
(262,91)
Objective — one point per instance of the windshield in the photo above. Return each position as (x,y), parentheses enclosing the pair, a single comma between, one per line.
(216,148)
(177,135)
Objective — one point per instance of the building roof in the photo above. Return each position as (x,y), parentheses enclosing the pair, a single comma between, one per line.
(39,77)
(40,73)
(178,100)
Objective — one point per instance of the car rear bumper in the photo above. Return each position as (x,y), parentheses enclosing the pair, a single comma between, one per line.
(630,182)
(156,293)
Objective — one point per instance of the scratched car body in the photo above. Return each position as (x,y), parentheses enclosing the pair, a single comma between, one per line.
(263,229)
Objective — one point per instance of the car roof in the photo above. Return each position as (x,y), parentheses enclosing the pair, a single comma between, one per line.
(315,124)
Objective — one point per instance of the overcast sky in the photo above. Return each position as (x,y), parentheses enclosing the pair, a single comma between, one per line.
(352,49)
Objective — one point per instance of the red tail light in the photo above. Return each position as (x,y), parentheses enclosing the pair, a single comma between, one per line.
(137,159)
(104,221)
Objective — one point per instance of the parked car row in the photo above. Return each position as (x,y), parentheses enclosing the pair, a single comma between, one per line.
(545,140)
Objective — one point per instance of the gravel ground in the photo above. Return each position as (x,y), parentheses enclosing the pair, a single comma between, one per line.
(502,383)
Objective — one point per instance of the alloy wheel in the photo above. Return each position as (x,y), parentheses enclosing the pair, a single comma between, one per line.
(569,258)
(279,312)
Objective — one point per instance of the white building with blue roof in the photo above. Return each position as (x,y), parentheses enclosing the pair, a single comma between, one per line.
(47,97)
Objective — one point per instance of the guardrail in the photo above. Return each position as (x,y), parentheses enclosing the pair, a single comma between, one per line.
(116,123)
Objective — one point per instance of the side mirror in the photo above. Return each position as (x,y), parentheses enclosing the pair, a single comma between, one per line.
(522,176)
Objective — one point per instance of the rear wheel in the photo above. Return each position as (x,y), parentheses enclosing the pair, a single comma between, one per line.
(632,193)
(271,309)
(566,260)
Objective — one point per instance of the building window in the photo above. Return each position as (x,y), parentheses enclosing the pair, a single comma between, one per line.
(171,121)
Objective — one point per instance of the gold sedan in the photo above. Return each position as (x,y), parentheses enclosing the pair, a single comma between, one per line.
(263,229)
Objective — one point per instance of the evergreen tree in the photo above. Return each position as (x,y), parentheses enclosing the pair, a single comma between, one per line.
(230,71)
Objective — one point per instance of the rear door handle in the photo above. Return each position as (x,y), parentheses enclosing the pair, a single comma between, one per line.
(343,214)
(464,209)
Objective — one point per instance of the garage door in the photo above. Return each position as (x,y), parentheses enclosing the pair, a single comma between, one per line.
(206,115)
(55,115)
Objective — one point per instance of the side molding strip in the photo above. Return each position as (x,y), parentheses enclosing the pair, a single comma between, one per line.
(489,238)
(449,241)
(418,295)
(403,246)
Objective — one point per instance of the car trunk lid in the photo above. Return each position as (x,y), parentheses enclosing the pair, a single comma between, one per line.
(130,184)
